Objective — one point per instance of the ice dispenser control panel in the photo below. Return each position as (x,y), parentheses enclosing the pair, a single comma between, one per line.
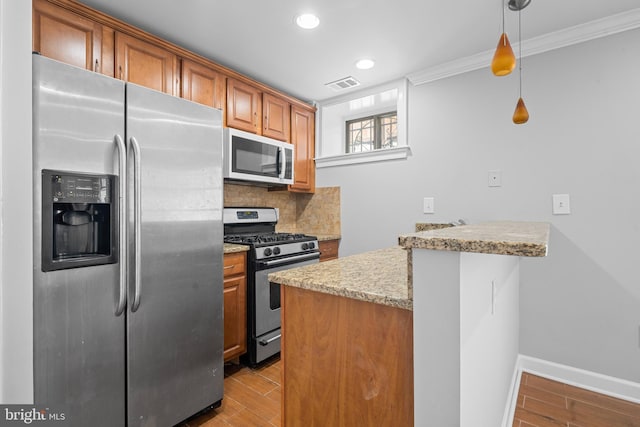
(80,189)
(79,220)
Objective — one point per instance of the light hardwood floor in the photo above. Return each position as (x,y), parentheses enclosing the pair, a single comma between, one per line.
(546,403)
(251,398)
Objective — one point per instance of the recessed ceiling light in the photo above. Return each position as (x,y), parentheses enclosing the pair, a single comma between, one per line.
(365,64)
(308,21)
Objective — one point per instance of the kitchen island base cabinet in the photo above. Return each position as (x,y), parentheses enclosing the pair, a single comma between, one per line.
(345,362)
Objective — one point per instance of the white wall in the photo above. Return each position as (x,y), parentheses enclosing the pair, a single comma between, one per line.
(489,320)
(579,305)
(16,314)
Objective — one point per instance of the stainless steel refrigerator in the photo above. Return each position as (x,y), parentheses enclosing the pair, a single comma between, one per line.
(127,250)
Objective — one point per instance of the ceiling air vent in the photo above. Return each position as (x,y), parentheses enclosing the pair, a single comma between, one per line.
(344,83)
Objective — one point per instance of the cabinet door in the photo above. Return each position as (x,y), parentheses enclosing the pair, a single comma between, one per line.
(244,106)
(303,137)
(146,64)
(276,121)
(235,323)
(66,37)
(203,85)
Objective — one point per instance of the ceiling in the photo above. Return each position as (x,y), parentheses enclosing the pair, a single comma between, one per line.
(259,38)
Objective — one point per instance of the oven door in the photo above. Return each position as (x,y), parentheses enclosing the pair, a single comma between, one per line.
(267,295)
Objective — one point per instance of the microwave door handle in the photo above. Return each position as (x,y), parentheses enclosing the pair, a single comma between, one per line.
(283,162)
(122,220)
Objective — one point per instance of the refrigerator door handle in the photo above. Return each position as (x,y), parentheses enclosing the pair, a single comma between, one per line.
(137,219)
(122,221)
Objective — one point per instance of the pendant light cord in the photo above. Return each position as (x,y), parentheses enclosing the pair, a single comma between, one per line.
(504,42)
(520,49)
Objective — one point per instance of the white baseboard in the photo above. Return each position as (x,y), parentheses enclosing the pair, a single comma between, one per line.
(599,383)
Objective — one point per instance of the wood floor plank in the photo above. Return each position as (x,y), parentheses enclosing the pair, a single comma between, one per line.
(255,381)
(593,416)
(244,404)
(259,403)
(603,401)
(541,395)
(543,402)
(537,420)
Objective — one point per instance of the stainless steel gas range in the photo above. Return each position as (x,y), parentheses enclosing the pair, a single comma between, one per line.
(269,252)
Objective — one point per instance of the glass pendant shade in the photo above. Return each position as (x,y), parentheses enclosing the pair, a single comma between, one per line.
(504,61)
(520,115)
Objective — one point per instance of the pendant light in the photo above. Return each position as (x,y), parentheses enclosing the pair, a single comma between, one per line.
(520,115)
(504,61)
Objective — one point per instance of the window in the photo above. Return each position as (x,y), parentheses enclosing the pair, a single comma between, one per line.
(369,125)
(372,133)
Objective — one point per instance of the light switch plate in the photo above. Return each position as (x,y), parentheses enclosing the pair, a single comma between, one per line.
(495,178)
(428,205)
(561,204)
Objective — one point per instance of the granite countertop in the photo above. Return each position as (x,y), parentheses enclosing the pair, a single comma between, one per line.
(230,248)
(379,276)
(528,239)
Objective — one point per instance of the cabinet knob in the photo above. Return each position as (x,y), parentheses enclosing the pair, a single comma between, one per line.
(96,67)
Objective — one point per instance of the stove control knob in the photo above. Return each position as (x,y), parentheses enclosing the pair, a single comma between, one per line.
(267,252)
(276,250)
(312,245)
(305,246)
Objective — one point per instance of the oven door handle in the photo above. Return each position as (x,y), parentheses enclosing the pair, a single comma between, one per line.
(270,340)
(287,260)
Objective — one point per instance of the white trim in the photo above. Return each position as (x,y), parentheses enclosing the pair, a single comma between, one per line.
(555,40)
(395,153)
(593,381)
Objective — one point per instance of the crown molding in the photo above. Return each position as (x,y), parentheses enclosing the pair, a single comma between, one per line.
(558,39)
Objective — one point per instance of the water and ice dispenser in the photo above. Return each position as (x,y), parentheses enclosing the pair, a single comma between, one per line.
(79,220)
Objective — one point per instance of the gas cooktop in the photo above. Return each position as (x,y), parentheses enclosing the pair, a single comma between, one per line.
(267,238)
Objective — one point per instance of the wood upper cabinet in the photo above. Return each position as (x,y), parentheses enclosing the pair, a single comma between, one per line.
(276,121)
(146,64)
(203,85)
(303,138)
(244,106)
(235,305)
(62,35)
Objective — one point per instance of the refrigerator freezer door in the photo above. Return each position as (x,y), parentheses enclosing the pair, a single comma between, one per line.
(79,342)
(174,335)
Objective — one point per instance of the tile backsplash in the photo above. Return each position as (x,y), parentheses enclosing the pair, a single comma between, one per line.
(317,213)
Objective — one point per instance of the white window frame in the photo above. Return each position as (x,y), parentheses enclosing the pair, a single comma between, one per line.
(401,151)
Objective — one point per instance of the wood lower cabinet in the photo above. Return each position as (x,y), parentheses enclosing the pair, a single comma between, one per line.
(328,249)
(276,122)
(203,85)
(303,138)
(146,64)
(235,305)
(244,106)
(66,37)
(345,362)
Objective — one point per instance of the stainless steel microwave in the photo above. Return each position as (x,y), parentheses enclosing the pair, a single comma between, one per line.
(251,157)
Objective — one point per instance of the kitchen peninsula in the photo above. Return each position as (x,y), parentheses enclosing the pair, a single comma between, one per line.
(447,300)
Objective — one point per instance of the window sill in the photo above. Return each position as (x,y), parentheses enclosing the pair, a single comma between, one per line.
(395,153)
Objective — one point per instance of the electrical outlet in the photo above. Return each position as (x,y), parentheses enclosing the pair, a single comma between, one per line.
(428,205)
(561,204)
